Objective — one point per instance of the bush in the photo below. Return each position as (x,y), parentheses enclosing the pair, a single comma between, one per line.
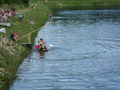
(14,1)
(25,1)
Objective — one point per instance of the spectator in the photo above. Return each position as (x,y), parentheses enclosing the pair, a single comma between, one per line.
(50,16)
(21,16)
(14,36)
(5,15)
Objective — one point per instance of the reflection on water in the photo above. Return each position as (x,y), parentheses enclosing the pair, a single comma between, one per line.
(42,55)
(85,55)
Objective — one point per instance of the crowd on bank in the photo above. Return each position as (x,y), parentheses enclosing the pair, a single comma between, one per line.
(5,14)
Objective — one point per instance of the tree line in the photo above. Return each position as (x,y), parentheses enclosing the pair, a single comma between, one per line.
(14,1)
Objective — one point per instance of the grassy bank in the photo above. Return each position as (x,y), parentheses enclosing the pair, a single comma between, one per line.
(83,4)
(12,53)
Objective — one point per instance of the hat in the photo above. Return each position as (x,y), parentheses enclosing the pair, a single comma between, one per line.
(41,39)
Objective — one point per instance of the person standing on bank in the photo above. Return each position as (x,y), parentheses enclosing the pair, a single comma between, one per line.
(21,16)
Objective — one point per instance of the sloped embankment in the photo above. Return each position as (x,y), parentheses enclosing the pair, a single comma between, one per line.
(12,53)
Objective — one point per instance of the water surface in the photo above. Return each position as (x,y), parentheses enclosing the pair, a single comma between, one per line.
(85,56)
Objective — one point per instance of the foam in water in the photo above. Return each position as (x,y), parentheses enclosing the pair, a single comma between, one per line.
(50,46)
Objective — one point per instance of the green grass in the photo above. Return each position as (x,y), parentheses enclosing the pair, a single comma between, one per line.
(8,63)
(83,4)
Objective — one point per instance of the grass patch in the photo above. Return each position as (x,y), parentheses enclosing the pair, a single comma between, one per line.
(83,4)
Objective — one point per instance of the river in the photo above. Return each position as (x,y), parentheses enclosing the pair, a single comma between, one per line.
(85,53)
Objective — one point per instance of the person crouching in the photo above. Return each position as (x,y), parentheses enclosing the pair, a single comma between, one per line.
(14,36)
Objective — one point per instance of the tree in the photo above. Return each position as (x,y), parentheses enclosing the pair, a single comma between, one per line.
(14,1)
(25,1)
(1,1)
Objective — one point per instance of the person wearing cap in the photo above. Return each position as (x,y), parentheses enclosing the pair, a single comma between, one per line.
(42,44)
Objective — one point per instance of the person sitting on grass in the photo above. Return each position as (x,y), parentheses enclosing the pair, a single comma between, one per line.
(14,36)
